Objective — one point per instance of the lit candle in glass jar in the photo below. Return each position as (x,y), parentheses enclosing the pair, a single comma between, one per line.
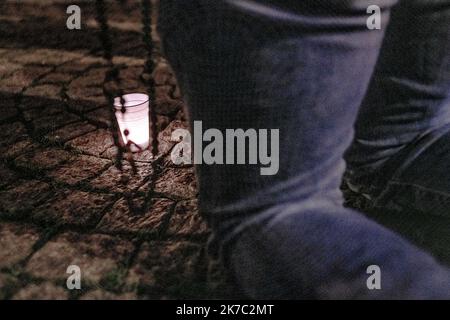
(133,120)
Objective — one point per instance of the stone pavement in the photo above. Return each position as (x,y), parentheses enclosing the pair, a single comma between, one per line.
(62,200)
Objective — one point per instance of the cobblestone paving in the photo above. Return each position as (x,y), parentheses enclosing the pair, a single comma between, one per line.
(62,200)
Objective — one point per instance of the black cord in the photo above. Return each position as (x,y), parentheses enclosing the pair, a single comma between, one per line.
(147,74)
(111,77)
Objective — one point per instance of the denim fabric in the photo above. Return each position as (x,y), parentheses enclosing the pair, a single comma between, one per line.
(401,142)
(304,67)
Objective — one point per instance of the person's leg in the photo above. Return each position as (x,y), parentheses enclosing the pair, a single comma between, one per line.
(401,153)
(302,70)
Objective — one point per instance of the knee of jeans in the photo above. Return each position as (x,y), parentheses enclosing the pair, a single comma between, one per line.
(229,224)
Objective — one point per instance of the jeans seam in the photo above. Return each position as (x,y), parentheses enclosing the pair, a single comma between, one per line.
(386,197)
(422,188)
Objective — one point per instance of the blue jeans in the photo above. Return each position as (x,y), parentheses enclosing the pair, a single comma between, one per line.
(336,90)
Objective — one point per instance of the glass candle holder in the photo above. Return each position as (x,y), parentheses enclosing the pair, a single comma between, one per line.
(133,120)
